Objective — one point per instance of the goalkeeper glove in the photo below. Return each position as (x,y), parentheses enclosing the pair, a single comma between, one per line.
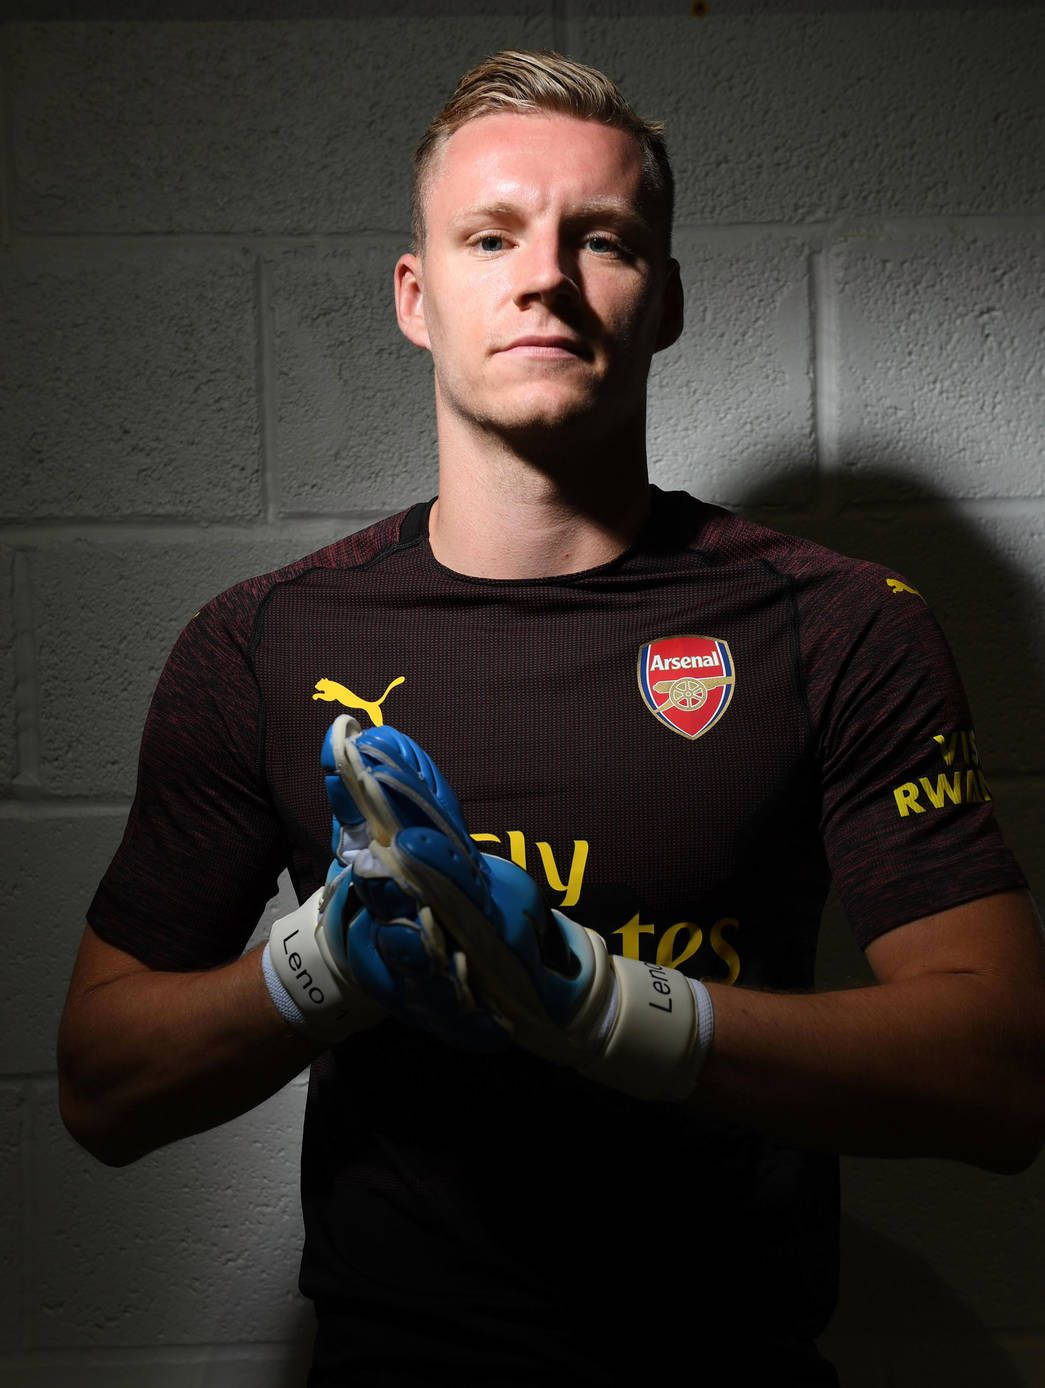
(359,949)
(642,1028)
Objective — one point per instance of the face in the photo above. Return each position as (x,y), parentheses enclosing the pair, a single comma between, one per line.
(535,230)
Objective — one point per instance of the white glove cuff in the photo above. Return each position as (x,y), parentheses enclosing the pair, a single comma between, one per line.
(285,1004)
(661,1027)
(705,1021)
(331,1006)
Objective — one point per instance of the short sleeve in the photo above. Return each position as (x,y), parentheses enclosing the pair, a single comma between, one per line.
(907,815)
(203,848)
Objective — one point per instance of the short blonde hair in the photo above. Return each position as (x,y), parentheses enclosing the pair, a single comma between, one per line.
(529,82)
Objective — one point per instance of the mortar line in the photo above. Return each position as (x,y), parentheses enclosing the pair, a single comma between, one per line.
(42,806)
(135,528)
(265,378)
(98,1356)
(27,684)
(851,225)
(7,121)
(95,530)
(28,1279)
(560,25)
(824,329)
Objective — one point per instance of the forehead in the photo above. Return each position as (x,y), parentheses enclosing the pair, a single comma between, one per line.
(533,161)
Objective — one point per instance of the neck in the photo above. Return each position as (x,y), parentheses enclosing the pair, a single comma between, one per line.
(503,515)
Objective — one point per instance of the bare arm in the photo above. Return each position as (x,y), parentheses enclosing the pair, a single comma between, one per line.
(944,1056)
(146,1057)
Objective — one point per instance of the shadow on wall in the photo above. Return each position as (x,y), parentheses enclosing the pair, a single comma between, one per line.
(981,575)
(899,1323)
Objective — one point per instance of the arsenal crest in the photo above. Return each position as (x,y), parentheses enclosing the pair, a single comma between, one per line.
(687,682)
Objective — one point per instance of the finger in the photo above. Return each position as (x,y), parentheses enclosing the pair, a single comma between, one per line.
(382,896)
(499,937)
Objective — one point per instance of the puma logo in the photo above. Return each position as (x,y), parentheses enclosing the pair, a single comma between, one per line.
(331,691)
(898,586)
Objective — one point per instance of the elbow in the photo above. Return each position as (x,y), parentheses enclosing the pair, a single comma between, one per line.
(1012,1160)
(81,1123)
(99,1141)
(91,1126)
(1010,1139)
(1018,1153)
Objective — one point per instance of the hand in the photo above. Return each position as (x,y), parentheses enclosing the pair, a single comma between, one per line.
(361,945)
(638,1027)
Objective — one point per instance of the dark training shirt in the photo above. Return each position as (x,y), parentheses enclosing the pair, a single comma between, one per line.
(682,746)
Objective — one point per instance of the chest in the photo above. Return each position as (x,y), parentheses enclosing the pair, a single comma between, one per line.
(643,750)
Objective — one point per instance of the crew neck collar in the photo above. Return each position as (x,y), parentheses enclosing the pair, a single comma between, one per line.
(672,522)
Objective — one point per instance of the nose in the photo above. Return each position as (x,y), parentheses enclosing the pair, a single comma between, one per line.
(546,271)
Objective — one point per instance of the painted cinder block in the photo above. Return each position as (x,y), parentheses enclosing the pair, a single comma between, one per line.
(107,616)
(129,382)
(939,336)
(52,865)
(1018,805)
(731,404)
(8,713)
(13,1123)
(355,426)
(980,1232)
(194,1244)
(288,128)
(792,117)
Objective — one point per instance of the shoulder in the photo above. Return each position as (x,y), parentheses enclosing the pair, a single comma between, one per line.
(837,597)
(811,568)
(230,617)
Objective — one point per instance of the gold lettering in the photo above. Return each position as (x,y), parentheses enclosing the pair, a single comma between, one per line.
(485,838)
(906,797)
(972,789)
(629,933)
(666,944)
(517,848)
(724,949)
(948,746)
(985,789)
(951,788)
(572,887)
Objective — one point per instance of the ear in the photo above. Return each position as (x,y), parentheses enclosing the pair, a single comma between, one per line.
(409,298)
(671,309)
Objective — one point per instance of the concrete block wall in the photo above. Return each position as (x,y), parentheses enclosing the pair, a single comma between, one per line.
(201,377)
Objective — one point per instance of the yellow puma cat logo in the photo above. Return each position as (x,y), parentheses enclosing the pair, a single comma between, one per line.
(898,586)
(330,690)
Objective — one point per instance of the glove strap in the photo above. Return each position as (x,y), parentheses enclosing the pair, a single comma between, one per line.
(285,1004)
(660,1028)
(331,1006)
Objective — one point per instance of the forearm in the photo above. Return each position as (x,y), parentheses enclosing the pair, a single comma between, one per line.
(916,1067)
(150,1057)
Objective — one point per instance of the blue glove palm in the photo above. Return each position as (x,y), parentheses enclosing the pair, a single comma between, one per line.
(379,935)
(637,1027)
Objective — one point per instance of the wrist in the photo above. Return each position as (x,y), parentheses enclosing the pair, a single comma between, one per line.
(649,1029)
(305,983)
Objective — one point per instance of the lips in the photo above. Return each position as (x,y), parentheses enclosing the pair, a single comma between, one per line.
(547,346)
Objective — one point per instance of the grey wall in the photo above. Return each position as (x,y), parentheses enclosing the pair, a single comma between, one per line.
(201,378)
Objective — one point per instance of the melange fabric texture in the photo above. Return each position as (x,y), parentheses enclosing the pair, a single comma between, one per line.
(682,746)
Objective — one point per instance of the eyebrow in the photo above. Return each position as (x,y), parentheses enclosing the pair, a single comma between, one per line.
(612,209)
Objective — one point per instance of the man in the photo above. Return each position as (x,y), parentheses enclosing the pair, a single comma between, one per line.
(679,723)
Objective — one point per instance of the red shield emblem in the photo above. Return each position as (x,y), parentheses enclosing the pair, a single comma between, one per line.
(687,682)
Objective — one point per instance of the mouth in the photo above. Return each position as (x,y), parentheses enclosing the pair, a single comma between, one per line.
(547,347)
